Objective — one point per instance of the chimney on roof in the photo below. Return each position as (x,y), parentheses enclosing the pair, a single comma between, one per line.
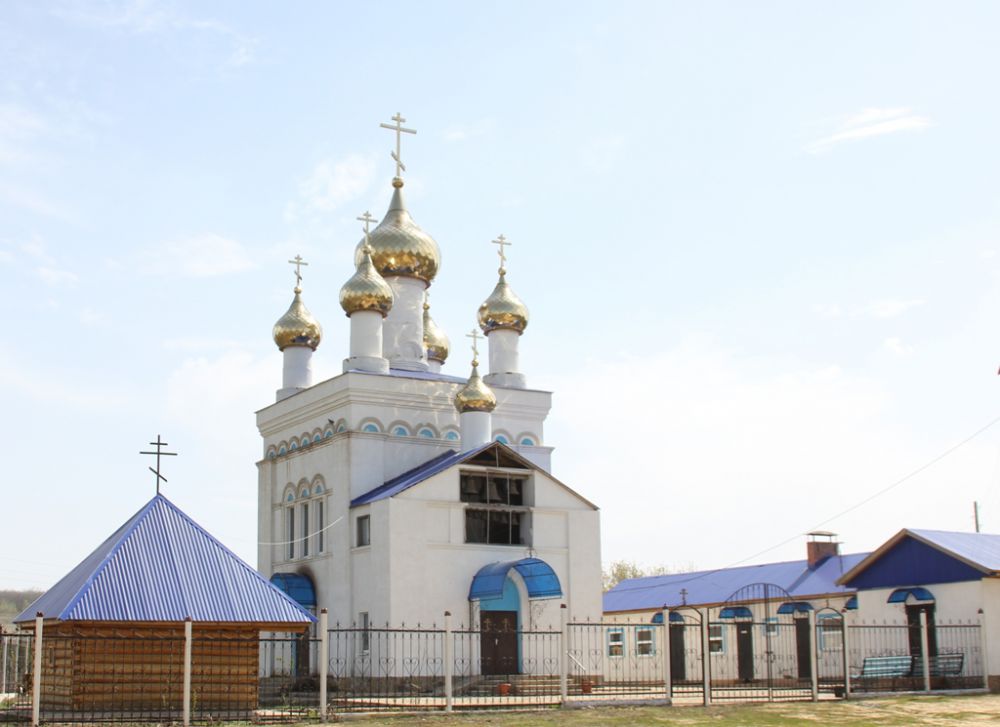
(821,546)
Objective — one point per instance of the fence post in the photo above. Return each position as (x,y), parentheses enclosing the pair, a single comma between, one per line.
(36,679)
(986,660)
(563,648)
(847,657)
(324,659)
(3,665)
(667,677)
(187,671)
(813,657)
(449,663)
(924,656)
(706,661)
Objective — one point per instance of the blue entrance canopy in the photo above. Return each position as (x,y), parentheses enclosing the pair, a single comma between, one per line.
(919,594)
(298,587)
(794,607)
(539,578)
(735,612)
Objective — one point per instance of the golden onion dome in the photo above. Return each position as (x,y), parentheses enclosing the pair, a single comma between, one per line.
(297,327)
(503,309)
(399,246)
(435,341)
(366,289)
(475,395)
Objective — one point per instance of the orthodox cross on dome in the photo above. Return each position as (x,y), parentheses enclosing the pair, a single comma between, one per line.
(298,262)
(367,219)
(159,444)
(400,130)
(502,242)
(475,345)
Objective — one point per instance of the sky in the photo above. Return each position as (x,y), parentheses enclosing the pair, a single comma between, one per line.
(760,243)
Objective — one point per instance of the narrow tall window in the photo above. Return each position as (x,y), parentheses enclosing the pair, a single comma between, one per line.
(365,633)
(290,531)
(319,527)
(305,529)
(364,531)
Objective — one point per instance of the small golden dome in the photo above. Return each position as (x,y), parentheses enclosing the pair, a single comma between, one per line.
(435,341)
(366,289)
(503,309)
(399,246)
(475,395)
(297,327)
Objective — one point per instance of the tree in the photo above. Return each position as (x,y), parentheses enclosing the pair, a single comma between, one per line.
(620,570)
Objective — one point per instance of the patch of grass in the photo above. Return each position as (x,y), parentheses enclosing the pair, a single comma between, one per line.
(889,712)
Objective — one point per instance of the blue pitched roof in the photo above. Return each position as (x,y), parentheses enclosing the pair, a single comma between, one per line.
(911,557)
(162,566)
(716,586)
(417,475)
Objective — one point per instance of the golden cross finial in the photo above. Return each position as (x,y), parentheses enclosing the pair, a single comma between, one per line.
(502,242)
(475,345)
(398,128)
(159,444)
(367,219)
(298,262)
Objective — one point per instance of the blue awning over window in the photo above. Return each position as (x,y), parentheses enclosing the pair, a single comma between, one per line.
(919,594)
(539,578)
(735,612)
(794,607)
(298,587)
(852,604)
(675,618)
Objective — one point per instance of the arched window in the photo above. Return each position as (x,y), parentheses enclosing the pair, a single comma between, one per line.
(369,427)
(293,446)
(400,432)
(527,441)
(316,438)
(342,427)
(502,439)
(282,450)
(451,436)
(426,433)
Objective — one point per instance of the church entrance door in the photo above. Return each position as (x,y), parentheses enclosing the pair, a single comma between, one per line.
(498,642)
(744,650)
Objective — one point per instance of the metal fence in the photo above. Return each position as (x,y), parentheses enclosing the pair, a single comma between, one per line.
(126,677)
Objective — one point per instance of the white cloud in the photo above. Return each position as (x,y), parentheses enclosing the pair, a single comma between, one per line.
(869,123)
(333,183)
(763,448)
(896,346)
(827,310)
(464,132)
(602,153)
(200,256)
(890,308)
(54,277)
(58,387)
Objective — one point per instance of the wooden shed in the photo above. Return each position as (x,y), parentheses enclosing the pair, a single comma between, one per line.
(113,628)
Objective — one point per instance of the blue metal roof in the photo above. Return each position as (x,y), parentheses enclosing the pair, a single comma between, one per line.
(162,566)
(794,607)
(901,594)
(912,557)
(716,586)
(418,474)
(539,578)
(735,612)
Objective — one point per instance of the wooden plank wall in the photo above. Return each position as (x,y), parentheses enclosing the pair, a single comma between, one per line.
(107,667)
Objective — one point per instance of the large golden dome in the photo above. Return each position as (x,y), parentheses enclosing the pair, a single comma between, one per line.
(435,341)
(399,246)
(366,289)
(475,395)
(297,327)
(503,309)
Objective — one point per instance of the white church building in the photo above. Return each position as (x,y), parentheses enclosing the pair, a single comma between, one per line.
(394,492)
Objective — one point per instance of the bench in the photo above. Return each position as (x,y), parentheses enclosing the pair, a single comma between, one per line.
(885,667)
(942,665)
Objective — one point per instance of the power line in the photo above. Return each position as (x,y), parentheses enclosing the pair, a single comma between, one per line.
(852,508)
